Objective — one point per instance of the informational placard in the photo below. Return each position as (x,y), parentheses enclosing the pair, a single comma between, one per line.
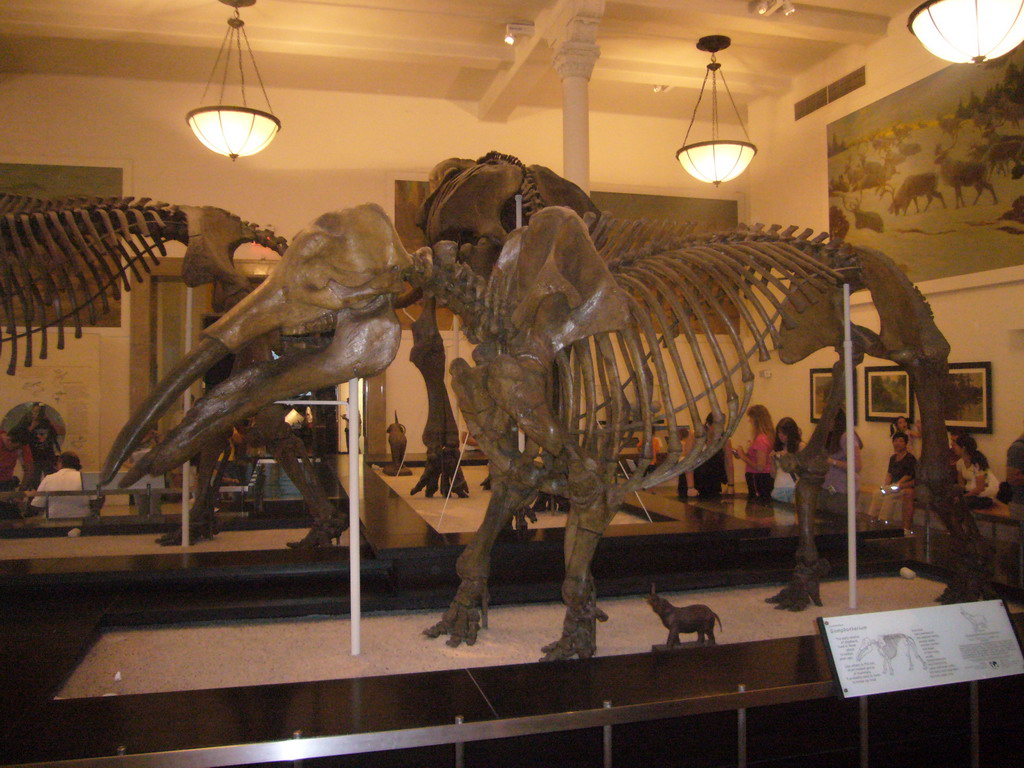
(919,647)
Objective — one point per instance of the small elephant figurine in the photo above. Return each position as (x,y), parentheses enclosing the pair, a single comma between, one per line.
(689,618)
(397,443)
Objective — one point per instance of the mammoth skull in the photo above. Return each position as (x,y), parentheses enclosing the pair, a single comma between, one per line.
(340,273)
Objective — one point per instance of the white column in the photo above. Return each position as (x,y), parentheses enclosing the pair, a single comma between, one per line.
(576,51)
(574,62)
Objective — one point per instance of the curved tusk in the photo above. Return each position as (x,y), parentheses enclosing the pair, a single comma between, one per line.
(197,362)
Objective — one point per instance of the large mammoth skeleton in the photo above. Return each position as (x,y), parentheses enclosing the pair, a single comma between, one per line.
(589,332)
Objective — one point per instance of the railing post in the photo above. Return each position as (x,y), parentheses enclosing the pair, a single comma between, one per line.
(865,747)
(297,735)
(460,747)
(741,732)
(608,740)
(975,726)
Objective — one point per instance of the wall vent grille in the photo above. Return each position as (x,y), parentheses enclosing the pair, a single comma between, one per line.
(829,93)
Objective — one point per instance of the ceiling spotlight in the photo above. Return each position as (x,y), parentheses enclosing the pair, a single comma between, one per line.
(768,7)
(662,88)
(516,30)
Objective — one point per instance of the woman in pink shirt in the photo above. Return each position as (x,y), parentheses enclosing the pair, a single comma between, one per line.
(758,456)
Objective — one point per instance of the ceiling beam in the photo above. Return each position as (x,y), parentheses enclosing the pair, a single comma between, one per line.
(209,34)
(532,59)
(740,82)
(810,22)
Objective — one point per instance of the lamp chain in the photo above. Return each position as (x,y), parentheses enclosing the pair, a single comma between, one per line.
(256,69)
(233,39)
(693,117)
(236,24)
(713,67)
(213,72)
(734,108)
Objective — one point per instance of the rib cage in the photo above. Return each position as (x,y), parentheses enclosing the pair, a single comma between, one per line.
(60,258)
(669,366)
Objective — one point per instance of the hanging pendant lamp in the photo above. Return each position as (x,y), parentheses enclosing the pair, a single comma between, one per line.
(716,160)
(968,30)
(232,130)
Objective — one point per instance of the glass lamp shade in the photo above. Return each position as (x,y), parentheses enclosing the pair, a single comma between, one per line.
(968,30)
(233,131)
(716,161)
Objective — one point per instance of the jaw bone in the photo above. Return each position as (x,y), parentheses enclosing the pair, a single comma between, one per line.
(346,267)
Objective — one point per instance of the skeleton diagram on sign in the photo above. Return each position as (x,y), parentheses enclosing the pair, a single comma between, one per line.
(888,647)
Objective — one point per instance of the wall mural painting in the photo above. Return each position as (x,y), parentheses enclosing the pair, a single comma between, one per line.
(48,182)
(932,174)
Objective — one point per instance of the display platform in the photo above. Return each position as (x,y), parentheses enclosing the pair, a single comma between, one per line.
(658,705)
(686,545)
(775,697)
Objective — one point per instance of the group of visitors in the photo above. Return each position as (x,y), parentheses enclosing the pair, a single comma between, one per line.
(769,467)
(34,444)
(769,476)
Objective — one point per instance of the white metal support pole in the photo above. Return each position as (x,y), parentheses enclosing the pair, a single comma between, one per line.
(851,452)
(354,538)
(186,403)
(519,223)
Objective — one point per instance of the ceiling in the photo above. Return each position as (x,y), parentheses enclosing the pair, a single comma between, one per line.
(448,49)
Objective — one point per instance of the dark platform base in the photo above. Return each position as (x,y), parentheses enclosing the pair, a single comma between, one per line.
(662,705)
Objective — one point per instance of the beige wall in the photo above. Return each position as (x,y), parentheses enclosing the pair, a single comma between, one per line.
(979,314)
(335,150)
(338,149)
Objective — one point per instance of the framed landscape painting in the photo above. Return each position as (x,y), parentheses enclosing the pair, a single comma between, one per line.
(821,386)
(887,393)
(968,397)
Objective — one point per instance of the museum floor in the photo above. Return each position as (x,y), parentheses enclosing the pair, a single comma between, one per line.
(57,607)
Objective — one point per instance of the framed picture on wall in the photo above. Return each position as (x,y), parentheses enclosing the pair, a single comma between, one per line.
(887,393)
(821,386)
(968,397)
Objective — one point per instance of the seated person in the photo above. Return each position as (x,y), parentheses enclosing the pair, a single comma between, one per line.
(68,477)
(981,489)
(963,445)
(899,482)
